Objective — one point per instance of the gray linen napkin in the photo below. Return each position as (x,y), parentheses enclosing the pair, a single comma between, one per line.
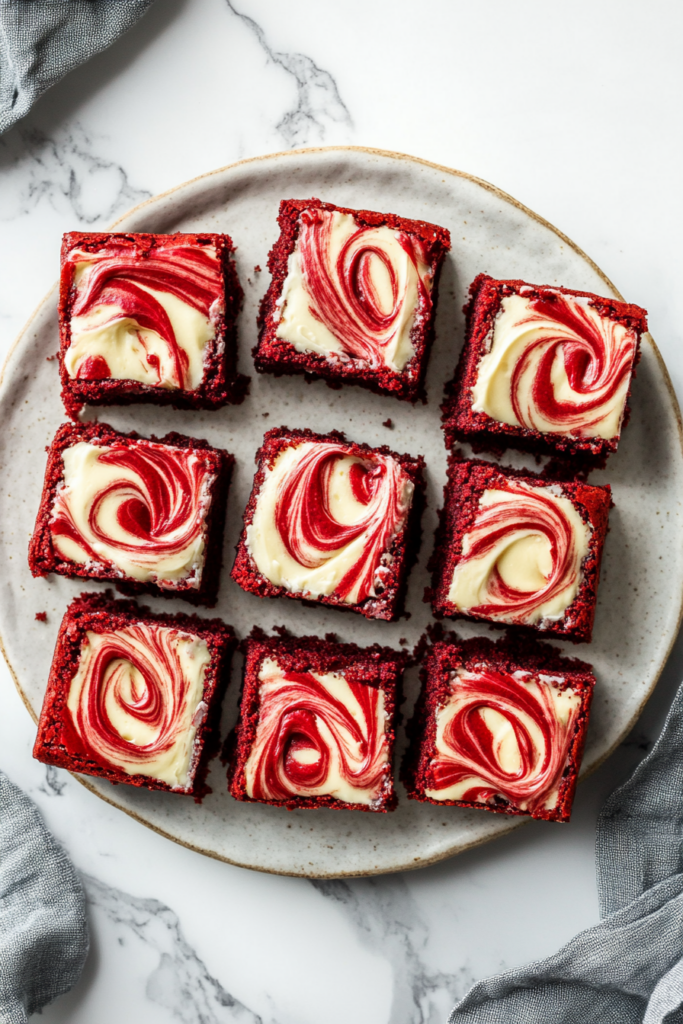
(42,40)
(43,930)
(629,968)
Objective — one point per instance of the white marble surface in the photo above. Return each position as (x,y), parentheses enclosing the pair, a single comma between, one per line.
(578,118)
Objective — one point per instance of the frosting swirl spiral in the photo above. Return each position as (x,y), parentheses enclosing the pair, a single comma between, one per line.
(325,520)
(136,699)
(318,734)
(147,320)
(502,734)
(557,366)
(138,508)
(353,292)
(521,558)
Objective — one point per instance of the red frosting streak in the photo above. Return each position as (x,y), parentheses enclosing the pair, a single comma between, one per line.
(311,534)
(113,279)
(161,509)
(472,748)
(159,703)
(290,719)
(597,363)
(344,294)
(525,511)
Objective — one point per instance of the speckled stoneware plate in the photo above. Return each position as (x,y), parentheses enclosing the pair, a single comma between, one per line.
(640,592)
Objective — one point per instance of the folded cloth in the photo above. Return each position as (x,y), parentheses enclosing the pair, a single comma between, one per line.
(43,930)
(42,40)
(629,968)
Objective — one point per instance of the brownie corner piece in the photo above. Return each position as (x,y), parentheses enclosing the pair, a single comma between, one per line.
(317,725)
(543,369)
(134,697)
(352,298)
(149,318)
(145,514)
(499,727)
(513,548)
(332,522)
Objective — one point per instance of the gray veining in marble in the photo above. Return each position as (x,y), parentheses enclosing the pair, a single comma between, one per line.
(318,103)
(180,982)
(65,171)
(389,922)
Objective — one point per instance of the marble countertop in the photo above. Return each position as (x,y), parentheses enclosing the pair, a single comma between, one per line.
(578,119)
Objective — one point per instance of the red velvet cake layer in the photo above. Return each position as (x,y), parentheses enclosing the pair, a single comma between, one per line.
(352,298)
(331,521)
(135,697)
(545,369)
(149,318)
(499,726)
(147,514)
(316,725)
(514,548)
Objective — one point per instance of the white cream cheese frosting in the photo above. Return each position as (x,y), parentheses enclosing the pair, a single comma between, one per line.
(104,487)
(353,292)
(521,558)
(523,378)
(136,699)
(351,741)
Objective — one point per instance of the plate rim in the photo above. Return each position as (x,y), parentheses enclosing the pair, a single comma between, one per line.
(505,197)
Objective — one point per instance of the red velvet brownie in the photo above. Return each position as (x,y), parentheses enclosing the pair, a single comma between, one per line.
(352,298)
(544,369)
(331,521)
(148,318)
(517,549)
(316,726)
(135,697)
(146,514)
(499,727)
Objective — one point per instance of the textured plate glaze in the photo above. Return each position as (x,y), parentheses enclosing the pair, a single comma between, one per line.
(640,593)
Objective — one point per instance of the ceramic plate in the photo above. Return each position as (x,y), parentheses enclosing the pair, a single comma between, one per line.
(640,592)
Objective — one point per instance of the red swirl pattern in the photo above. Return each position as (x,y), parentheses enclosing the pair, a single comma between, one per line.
(156,699)
(527,511)
(308,740)
(472,751)
(309,530)
(597,354)
(114,278)
(160,505)
(343,291)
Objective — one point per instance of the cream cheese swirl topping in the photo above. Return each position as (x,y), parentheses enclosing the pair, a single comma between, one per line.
(136,699)
(353,292)
(138,508)
(318,735)
(521,558)
(148,320)
(325,520)
(503,734)
(556,366)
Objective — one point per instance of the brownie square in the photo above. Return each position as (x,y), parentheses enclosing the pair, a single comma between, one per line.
(316,724)
(145,514)
(517,549)
(148,318)
(135,697)
(543,369)
(352,298)
(499,726)
(332,522)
